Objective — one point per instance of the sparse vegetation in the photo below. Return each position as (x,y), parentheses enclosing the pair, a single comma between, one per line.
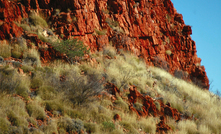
(69,98)
(71,48)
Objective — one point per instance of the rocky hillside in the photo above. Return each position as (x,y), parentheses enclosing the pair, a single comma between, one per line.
(151,29)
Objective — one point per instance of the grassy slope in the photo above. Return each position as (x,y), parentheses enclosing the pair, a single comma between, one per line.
(43,101)
(60,98)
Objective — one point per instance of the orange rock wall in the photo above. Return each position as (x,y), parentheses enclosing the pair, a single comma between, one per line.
(149,28)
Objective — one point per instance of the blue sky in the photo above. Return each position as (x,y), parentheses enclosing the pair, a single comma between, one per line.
(205,18)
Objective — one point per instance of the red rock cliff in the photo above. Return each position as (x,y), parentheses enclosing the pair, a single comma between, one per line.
(152,29)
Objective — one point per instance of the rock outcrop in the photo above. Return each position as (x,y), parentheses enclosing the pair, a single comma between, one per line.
(152,29)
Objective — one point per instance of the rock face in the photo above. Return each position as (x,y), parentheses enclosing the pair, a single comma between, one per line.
(152,29)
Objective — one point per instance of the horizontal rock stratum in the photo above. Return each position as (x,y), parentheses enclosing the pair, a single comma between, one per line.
(152,29)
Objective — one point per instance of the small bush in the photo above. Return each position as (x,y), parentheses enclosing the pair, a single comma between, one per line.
(188,126)
(103,32)
(148,125)
(129,127)
(46,92)
(4,125)
(168,52)
(43,38)
(27,69)
(36,82)
(71,48)
(157,104)
(25,27)
(5,50)
(16,120)
(37,20)
(71,125)
(35,111)
(108,126)
(91,127)
(9,80)
(54,105)
(138,106)
(32,57)
(121,104)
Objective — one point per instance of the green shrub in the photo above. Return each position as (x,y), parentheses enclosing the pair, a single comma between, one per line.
(5,50)
(71,48)
(168,52)
(4,125)
(157,104)
(91,127)
(37,20)
(54,105)
(108,126)
(16,54)
(46,92)
(36,82)
(43,38)
(147,125)
(129,127)
(121,104)
(138,106)
(32,57)
(16,120)
(27,69)
(103,32)
(35,111)
(9,80)
(25,27)
(71,125)
(188,126)
(50,128)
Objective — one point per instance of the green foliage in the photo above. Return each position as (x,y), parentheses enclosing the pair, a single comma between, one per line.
(138,106)
(71,48)
(108,126)
(91,127)
(35,111)
(16,120)
(148,125)
(5,50)
(37,20)
(32,57)
(25,27)
(4,125)
(42,38)
(36,82)
(71,125)
(11,82)
(27,69)
(103,32)
(157,104)
(168,52)
(129,127)
(54,105)
(46,92)
(121,104)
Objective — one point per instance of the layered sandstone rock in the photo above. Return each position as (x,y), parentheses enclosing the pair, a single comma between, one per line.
(152,29)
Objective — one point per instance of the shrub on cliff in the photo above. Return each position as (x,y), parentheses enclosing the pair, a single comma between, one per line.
(71,48)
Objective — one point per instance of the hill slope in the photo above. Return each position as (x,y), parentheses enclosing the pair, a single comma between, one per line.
(152,29)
